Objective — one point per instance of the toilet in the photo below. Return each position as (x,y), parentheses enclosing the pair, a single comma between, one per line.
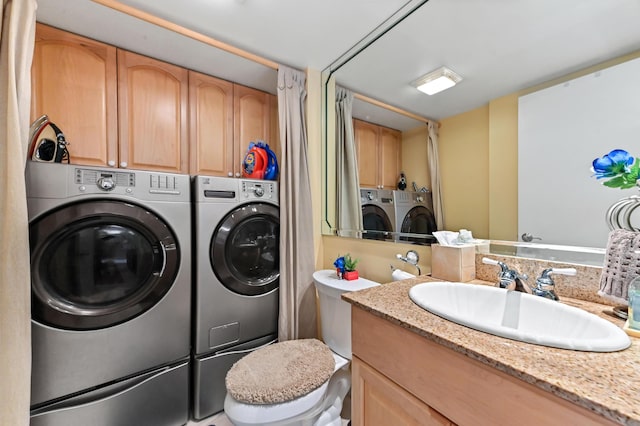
(319,388)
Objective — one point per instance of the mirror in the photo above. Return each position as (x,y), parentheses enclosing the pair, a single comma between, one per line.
(502,50)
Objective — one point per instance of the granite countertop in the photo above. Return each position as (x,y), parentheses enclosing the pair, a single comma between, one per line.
(605,383)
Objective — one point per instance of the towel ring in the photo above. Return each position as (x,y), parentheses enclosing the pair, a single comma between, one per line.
(618,216)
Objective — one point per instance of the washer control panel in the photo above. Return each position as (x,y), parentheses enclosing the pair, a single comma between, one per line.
(258,190)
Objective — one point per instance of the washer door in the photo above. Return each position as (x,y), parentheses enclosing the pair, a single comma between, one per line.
(419,220)
(375,219)
(99,263)
(245,252)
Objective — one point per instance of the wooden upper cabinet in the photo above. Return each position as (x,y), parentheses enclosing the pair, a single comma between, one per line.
(390,148)
(210,125)
(366,140)
(152,113)
(224,118)
(252,120)
(74,82)
(379,152)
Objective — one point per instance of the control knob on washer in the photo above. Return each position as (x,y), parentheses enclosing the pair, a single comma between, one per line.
(258,191)
(106,184)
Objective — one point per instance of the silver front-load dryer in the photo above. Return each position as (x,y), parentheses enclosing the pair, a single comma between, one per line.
(237,230)
(111,295)
(378,214)
(414,215)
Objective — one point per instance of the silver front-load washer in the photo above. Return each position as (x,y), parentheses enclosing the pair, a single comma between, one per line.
(378,214)
(237,272)
(414,215)
(111,295)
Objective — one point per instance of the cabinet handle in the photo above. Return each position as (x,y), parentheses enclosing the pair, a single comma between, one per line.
(230,174)
(237,174)
(123,164)
(111,163)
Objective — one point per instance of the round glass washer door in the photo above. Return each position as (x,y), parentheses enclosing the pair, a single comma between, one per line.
(245,249)
(375,219)
(99,263)
(419,220)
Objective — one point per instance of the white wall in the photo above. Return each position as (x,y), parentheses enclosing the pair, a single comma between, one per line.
(561,130)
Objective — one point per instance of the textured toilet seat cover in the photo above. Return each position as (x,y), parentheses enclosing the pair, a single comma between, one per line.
(280,372)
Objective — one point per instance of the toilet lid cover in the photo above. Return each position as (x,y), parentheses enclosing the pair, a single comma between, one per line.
(280,372)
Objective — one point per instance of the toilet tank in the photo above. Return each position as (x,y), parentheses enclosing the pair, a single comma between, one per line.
(335,313)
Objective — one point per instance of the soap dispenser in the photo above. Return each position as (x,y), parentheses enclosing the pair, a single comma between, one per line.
(633,292)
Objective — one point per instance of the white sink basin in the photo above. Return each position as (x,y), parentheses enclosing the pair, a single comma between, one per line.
(520,316)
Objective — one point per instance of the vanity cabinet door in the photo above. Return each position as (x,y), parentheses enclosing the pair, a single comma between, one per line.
(153,99)
(377,400)
(74,82)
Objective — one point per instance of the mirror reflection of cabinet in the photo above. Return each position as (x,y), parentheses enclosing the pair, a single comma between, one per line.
(379,151)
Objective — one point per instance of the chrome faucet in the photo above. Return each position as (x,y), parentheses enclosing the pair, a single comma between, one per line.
(545,286)
(411,258)
(509,278)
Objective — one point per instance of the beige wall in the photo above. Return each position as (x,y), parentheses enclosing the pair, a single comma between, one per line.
(463,146)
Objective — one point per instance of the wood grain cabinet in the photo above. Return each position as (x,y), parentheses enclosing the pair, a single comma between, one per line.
(224,118)
(152,114)
(402,378)
(74,82)
(379,151)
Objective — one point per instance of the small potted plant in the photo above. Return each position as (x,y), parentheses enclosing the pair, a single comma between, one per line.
(346,267)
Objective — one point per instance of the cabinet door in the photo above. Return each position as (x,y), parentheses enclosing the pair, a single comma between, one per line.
(210,125)
(366,140)
(74,82)
(390,157)
(252,120)
(152,112)
(376,400)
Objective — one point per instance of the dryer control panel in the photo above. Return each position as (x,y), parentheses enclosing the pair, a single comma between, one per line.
(258,190)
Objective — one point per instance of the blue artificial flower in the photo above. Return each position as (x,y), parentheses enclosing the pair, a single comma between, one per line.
(339,263)
(614,163)
(622,168)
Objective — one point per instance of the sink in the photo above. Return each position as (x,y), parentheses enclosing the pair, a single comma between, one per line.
(519,316)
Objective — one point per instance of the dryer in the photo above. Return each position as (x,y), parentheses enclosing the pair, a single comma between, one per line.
(378,213)
(111,295)
(414,214)
(237,274)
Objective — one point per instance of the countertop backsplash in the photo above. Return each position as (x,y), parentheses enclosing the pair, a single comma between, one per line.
(584,285)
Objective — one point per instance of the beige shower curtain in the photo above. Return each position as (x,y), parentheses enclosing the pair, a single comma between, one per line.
(434,171)
(297,292)
(16,52)
(349,208)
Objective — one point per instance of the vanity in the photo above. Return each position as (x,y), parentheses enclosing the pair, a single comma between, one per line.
(412,367)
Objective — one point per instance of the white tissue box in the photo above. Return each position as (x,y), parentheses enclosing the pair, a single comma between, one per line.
(453,263)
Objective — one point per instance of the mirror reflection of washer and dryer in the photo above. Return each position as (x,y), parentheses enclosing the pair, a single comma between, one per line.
(386,213)
(236,249)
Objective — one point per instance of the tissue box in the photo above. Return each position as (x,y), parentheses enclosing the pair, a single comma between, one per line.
(453,263)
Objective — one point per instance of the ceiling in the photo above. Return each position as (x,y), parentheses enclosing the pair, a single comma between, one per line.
(498,46)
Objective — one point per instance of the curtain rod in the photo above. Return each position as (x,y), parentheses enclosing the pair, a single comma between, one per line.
(136,13)
(394,109)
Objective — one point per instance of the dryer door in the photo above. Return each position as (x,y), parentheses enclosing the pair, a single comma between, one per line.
(98,263)
(375,219)
(419,220)
(245,252)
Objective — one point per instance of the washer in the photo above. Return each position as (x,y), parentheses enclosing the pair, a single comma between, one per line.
(237,274)
(378,213)
(414,214)
(111,295)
